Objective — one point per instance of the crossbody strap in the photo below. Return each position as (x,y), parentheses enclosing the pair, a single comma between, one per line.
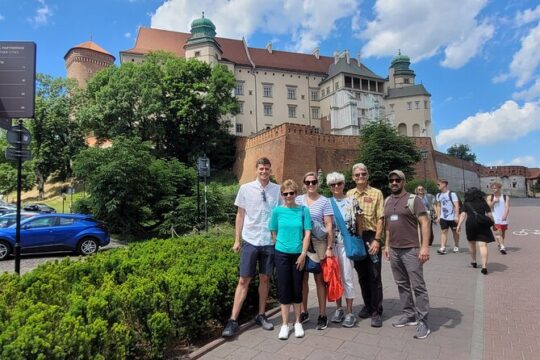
(337,215)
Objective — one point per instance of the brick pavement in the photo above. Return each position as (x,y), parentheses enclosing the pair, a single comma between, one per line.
(472,316)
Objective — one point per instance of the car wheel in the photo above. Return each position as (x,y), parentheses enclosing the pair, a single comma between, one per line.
(87,246)
(5,250)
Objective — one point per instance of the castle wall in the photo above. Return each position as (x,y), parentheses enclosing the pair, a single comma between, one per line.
(82,64)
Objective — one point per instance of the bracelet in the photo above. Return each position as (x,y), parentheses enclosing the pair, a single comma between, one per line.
(329,247)
(304,253)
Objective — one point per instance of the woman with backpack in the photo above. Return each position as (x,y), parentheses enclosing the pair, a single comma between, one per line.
(479,220)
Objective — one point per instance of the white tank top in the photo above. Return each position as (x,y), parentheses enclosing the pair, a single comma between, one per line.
(498,210)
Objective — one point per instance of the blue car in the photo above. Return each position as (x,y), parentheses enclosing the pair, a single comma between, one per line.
(54,233)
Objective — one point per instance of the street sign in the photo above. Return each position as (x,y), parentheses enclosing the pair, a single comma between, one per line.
(5,124)
(17,79)
(13,136)
(203,166)
(14,154)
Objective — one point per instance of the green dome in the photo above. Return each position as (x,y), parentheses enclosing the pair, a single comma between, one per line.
(400,59)
(401,63)
(203,27)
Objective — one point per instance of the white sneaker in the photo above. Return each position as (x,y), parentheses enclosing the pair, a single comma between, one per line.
(284,332)
(298,330)
(456,249)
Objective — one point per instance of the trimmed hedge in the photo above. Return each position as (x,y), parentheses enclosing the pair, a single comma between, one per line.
(130,302)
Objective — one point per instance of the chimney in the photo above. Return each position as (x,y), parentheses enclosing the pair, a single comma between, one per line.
(336,57)
(347,57)
(269,47)
(359,58)
(315,53)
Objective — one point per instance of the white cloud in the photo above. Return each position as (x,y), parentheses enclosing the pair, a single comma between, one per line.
(1,17)
(422,28)
(528,16)
(127,35)
(500,78)
(42,15)
(527,160)
(509,122)
(531,93)
(527,59)
(307,21)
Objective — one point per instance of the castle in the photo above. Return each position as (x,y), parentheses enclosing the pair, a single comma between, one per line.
(306,106)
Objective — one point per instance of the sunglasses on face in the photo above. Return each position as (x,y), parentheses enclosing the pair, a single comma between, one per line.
(311,182)
(263,193)
(336,184)
(398,181)
(360,174)
(289,193)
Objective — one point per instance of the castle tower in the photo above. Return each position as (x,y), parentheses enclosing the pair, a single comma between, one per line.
(86,59)
(400,75)
(202,43)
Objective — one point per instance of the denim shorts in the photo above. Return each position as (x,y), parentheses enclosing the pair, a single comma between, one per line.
(252,255)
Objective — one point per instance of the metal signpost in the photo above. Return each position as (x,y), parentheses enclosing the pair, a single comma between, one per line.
(203,168)
(17,98)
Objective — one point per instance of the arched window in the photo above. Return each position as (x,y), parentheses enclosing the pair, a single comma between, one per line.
(416,130)
(402,129)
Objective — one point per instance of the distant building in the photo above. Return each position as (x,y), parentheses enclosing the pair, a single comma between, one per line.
(86,59)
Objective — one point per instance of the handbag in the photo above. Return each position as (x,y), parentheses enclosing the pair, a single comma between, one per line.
(355,248)
(313,262)
(481,219)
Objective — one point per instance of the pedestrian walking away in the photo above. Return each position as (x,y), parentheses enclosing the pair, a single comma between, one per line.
(407,253)
(255,202)
(371,202)
(448,209)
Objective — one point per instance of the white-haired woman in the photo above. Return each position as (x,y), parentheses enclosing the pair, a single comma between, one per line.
(352,215)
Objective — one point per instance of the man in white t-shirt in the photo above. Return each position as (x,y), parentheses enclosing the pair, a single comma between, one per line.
(447,206)
(500,206)
(255,201)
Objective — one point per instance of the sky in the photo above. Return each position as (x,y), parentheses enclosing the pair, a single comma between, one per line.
(479,59)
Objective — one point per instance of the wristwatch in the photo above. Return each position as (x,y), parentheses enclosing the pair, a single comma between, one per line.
(329,247)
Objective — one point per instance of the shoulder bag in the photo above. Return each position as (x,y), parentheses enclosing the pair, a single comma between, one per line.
(355,248)
(481,219)
(313,262)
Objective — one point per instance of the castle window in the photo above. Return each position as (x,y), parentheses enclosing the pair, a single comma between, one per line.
(322,93)
(409,105)
(337,85)
(417,104)
(239,128)
(292,111)
(314,112)
(197,53)
(425,104)
(291,93)
(241,107)
(267,109)
(406,80)
(239,89)
(348,82)
(328,90)
(267,90)
(314,94)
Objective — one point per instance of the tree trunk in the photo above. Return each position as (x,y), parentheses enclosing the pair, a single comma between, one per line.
(40,185)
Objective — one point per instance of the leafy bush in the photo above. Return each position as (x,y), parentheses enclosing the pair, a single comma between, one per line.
(125,303)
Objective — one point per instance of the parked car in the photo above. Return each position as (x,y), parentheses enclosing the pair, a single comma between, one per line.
(10,219)
(56,232)
(6,209)
(40,208)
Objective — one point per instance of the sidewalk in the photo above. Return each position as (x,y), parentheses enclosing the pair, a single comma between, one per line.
(472,316)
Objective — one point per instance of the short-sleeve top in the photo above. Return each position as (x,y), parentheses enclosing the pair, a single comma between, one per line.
(447,205)
(318,209)
(258,203)
(401,223)
(287,223)
(349,208)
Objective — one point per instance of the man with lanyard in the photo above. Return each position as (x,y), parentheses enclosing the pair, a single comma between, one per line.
(407,254)
(500,206)
(255,201)
(447,215)
(371,201)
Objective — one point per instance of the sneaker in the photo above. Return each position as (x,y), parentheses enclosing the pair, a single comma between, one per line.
(456,249)
(262,321)
(441,251)
(284,332)
(338,316)
(376,321)
(322,322)
(364,313)
(304,317)
(350,321)
(231,328)
(404,321)
(503,250)
(298,330)
(422,330)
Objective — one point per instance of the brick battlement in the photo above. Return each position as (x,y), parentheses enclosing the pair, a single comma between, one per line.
(503,171)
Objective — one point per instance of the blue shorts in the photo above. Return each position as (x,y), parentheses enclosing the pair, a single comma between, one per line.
(251,255)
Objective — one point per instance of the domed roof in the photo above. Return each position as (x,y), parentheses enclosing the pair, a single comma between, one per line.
(202,22)
(399,58)
(401,63)
(203,28)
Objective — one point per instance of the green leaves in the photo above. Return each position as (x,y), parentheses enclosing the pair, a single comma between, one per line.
(461,151)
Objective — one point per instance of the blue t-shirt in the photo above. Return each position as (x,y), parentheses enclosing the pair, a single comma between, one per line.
(287,223)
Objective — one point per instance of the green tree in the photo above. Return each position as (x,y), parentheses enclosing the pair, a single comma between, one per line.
(429,185)
(8,171)
(129,187)
(383,149)
(461,151)
(176,104)
(56,136)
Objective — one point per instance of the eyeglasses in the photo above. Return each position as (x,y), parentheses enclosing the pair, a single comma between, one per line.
(395,181)
(360,174)
(263,193)
(290,193)
(311,182)
(336,184)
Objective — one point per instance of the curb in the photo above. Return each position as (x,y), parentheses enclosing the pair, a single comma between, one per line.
(214,344)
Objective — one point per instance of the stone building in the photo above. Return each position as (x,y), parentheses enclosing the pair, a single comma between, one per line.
(86,59)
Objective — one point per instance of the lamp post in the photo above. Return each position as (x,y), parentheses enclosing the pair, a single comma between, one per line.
(424,153)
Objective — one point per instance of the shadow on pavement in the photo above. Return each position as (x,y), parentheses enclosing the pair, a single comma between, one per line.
(444,317)
(495,266)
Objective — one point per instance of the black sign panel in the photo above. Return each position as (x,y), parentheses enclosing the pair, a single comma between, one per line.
(5,124)
(17,79)
(14,154)
(19,134)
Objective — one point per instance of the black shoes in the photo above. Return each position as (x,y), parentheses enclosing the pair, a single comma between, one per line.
(322,322)
(474,265)
(484,271)
(231,328)
(262,320)
(364,313)
(304,317)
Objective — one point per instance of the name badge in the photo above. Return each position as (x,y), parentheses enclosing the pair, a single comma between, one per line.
(393,217)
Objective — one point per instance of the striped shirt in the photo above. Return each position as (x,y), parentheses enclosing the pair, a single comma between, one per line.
(318,209)
(372,203)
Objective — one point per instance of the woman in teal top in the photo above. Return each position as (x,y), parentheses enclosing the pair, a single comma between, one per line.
(290,226)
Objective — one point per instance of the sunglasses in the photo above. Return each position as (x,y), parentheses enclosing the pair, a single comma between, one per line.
(263,193)
(336,184)
(360,174)
(395,181)
(289,193)
(311,182)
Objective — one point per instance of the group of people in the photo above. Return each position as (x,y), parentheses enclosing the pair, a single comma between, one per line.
(277,228)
